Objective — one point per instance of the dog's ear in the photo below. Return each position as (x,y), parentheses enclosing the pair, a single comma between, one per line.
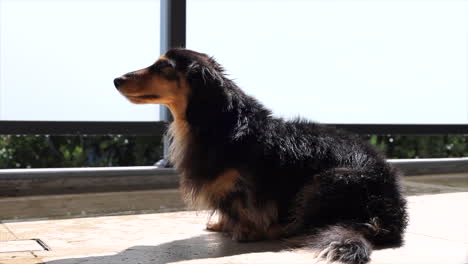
(210,98)
(204,75)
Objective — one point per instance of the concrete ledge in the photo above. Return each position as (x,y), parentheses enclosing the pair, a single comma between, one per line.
(163,200)
(30,182)
(413,167)
(90,204)
(438,233)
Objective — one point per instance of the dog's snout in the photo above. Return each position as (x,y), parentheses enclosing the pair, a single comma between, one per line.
(118,82)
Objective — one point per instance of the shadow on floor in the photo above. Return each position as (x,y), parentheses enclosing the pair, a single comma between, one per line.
(200,247)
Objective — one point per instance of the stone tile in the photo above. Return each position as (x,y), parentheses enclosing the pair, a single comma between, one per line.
(437,234)
(211,248)
(111,234)
(421,249)
(443,216)
(24,257)
(19,246)
(19,258)
(5,234)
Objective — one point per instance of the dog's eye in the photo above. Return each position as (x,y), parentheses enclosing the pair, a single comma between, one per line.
(160,66)
(164,68)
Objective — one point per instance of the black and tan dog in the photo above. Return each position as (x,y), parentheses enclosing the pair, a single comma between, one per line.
(268,178)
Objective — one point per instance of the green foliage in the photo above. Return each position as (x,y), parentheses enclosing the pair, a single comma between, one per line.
(409,147)
(78,151)
(97,151)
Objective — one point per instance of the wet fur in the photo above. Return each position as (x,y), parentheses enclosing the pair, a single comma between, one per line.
(268,178)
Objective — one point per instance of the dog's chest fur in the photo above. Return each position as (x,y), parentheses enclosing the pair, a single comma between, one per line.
(217,193)
(179,133)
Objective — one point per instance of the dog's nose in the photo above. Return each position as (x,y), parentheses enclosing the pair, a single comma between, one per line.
(118,82)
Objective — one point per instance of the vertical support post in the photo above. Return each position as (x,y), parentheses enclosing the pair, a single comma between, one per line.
(173,32)
(1,67)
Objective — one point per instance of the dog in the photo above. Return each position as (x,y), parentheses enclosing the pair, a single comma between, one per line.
(266,177)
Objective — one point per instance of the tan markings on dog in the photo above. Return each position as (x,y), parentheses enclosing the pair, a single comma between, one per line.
(211,193)
(219,226)
(145,87)
(179,131)
(252,223)
(275,231)
(172,93)
(256,223)
(216,226)
(265,216)
(222,185)
(177,101)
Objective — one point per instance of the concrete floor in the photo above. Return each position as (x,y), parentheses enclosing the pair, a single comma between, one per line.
(438,233)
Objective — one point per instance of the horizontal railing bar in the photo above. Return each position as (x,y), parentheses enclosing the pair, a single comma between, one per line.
(144,128)
(83,172)
(404,129)
(158,127)
(24,182)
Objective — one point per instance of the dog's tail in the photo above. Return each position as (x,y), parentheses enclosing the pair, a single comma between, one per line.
(345,213)
(337,243)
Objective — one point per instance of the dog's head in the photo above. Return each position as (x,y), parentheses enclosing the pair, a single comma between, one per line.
(178,78)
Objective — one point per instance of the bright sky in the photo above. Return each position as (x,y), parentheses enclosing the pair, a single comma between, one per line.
(330,61)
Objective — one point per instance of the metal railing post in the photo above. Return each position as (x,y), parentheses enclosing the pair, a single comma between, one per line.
(173,32)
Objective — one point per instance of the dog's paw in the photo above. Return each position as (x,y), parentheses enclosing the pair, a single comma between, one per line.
(215,227)
(349,252)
